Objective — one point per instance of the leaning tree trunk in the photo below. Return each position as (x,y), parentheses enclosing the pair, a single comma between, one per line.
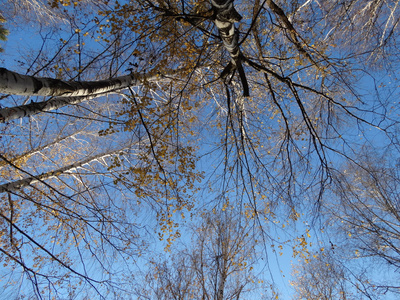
(17,112)
(19,184)
(25,85)
(64,92)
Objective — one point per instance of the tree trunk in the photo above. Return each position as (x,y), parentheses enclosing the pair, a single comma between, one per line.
(24,85)
(18,184)
(16,112)
(69,93)
(225,18)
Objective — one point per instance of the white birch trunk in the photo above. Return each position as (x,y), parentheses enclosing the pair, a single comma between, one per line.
(25,85)
(18,184)
(67,93)
(226,16)
(16,112)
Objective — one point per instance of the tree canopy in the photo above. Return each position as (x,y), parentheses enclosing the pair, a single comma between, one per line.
(174,149)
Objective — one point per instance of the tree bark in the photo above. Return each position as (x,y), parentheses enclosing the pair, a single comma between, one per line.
(67,93)
(18,184)
(17,112)
(25,85)
(225,18)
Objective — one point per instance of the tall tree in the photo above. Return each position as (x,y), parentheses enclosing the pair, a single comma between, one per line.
(264,101)
(321,277)
(63,93)
(218,263)
(366,213)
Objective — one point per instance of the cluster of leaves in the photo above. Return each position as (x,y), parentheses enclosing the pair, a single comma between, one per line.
(3,31)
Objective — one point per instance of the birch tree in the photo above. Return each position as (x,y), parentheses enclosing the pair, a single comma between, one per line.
(323,278)
(365,212)
(79,196)
(62,93)
(218,264)
(263,101)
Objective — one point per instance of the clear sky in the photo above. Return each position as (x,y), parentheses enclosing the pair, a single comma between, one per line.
(273,178)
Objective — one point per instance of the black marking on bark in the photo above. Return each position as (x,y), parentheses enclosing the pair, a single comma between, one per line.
(37,85)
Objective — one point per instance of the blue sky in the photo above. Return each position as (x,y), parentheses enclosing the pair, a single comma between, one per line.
(378,90)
